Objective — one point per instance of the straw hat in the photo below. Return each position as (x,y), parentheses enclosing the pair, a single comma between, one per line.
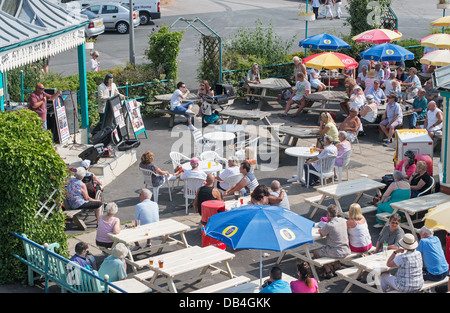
(408,242)
(372,73)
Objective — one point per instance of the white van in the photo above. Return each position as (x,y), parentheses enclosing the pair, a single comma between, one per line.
(148,9)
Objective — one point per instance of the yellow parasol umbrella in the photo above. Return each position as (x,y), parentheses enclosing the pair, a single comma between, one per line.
(440,41)
(443,21)
(437,58)
(438,217)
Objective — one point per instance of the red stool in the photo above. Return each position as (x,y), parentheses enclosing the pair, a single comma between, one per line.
(209,208)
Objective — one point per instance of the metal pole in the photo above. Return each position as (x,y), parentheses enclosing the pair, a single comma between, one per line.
(306,26)
(132,58)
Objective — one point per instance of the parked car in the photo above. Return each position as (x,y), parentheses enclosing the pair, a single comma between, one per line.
(95,27)
(115,16)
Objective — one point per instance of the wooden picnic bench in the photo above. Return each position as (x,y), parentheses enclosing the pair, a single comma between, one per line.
(277,84)
(229,283)
(67,275)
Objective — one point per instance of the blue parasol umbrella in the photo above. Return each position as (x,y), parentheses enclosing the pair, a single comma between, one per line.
(387,52)
(260,227)
(324,42)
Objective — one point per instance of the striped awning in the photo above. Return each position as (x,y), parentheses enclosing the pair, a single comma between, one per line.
(37,29)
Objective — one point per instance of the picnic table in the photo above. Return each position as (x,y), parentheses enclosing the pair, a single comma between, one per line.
(414,206)
(277,84)
(184,261)
(164,229)
(253,286)
(325,97)
(231,202)
(357,187)
(295,133)
(165,98)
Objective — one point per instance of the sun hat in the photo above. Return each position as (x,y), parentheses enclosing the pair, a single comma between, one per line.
(194,160)
(120,251)
(86,163)
(408,242)
(372,73)
(370,98)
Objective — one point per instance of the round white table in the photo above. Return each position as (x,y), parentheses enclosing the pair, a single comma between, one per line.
(220,139)
(216,167)
(301,153)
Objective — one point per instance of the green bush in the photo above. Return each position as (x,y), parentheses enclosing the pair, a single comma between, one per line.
(359,14)
(30,169)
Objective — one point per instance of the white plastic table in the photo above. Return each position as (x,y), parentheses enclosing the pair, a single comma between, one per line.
(301,153)
(215,167)
(220,138)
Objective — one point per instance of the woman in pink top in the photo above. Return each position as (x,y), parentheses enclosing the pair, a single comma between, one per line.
(107,224)
(305,283)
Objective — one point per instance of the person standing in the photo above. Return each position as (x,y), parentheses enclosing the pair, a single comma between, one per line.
(328,5)
(338,5)
(94,63)
(178,107)
(315,7)
(37,102)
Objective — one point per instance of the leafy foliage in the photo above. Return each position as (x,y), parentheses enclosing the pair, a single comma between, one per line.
(360,14)
(30,169)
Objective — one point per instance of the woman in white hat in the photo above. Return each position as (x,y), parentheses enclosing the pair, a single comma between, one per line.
(409,263)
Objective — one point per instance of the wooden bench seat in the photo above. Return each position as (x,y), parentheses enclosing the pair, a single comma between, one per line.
(427,285)
(366,209)
(346,272)
(384,216)
(168,112)
(130,285)
(73,215)
(233,282)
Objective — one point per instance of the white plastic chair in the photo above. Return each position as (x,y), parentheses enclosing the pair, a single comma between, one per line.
(200,143)
(148,182)
(191,185)
(326,170)
(240,149)
(213,156)
(345,157)
(233,179)
(177,158)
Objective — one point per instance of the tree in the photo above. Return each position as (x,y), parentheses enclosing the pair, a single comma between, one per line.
(366,14)
(30,169)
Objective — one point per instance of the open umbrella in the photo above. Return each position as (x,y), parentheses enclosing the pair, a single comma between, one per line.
(443,21)
(330,61)
(440,41)
(260,227)
(437,58)
(438,217)
(387,52)
(324,42)
(378,36)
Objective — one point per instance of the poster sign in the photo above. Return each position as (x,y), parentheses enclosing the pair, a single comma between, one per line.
(61,120)
(135,115)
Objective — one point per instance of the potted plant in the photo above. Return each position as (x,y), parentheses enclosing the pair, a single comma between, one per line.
(89,44)
(305,16)
(443,4)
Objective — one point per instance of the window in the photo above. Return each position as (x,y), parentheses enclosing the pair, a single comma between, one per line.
(94,9)
(110,9)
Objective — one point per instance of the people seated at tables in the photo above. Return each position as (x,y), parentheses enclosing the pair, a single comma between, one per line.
(203,91)
(253,77)
(387,84)
(278,196)
(364,63)
(248,183)
(369,111)
(314,79)
(419,108)
(357,100)
(380,72)
(348,73)
(435,266)
(336,246)
(392,118)
(412,84)
(358,230)
(260,195)
(303,89)
(349,84)
(390,234)
(327,127)
(299,67)
(114,265)
(420,180)
(177,105)
(343,146)
(205,193)
(408,262)
(377,93)
(399,190)
(368,82)
(329,150)
(194,172)
(305,283)
(147,159)
(108,223)
(145,212)
(386,71)
(231,170)
(77,194)
(351,125)
(397,90)
(362,75)
(407,166)
(400,74)
(80,256)
(433,121)
(275,283)
(432,94)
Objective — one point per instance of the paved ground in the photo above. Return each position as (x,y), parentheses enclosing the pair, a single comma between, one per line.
(374,162)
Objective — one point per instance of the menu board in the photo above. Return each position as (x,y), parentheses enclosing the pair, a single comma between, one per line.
(115,106)
(135,115)
(61,120)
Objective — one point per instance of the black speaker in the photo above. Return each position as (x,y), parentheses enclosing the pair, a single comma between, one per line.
(71,105)
(93,153)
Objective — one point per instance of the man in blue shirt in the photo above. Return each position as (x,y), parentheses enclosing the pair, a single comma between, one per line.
(81,250)
(276,285)
(146,212)
(376,92)
(435,264)
(419,108)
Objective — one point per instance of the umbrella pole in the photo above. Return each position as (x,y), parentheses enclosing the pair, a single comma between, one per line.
(260,268)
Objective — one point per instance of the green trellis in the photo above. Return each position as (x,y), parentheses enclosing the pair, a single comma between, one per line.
(211,49)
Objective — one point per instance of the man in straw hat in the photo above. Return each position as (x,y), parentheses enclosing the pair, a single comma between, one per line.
(409,263)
